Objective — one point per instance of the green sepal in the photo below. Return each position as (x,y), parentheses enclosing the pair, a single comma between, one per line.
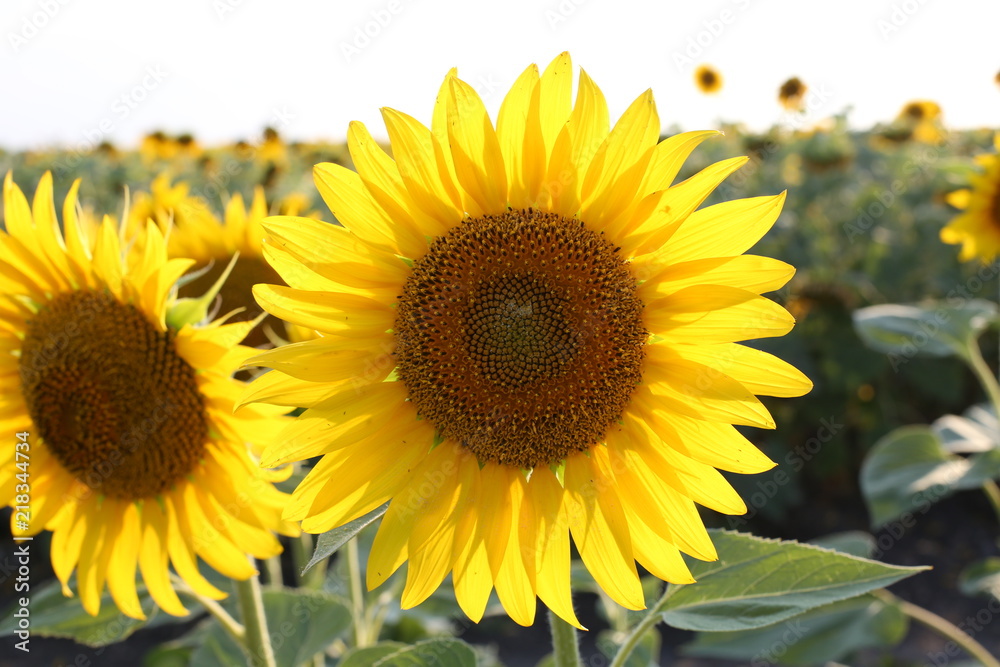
(193,311)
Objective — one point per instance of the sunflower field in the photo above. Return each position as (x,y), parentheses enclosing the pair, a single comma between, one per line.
(487,393)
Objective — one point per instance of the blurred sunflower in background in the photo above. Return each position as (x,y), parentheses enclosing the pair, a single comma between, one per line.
(136,459)
(708,79)
(922,118)
(197,233)
(524,341)
(792,94)
(978,226)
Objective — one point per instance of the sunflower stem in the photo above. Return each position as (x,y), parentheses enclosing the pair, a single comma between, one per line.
(942,626)
(257,642)
(565,647)
(361,634)
(648,621)
(228,623)
(985,375)
(273,567)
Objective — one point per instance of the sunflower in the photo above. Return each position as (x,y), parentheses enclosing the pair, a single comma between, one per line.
(529,335)
(978,227)
(136,459)
(196,233)
(792,93)
(922,119)
(708,79)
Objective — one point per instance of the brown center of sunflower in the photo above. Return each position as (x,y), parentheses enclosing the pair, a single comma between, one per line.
(237,292)
(520,336)
(111,398)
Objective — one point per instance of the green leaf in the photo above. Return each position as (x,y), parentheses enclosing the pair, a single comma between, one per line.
(431,653)
(369,655)
(301,623)
(934,330)
(982,577)
(54,615)
(853,542)
(821,635)
(909,469)
(758,582)
(327,543)
(975,431)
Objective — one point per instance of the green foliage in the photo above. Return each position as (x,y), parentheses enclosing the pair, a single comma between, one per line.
(982,578)
(759,582)
(936,330)
(431,653)
(329,542)
(300,624)
(54,615)
(910,469)
(831,632)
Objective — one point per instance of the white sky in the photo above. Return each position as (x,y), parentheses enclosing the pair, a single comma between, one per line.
(224,68)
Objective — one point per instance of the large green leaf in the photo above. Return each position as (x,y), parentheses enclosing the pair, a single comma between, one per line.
(909,469)
(431,653)
(758,582)
(54,615)
(828,633)
(973,432)
(300,623)
(329,542)
(934,330)
(368,655)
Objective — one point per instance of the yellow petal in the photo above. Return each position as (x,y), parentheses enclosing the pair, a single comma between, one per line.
(714,443)
(471,579)
(671,208)
(349,200)
(153,559)
(335,313)
(616,171)
(693,389)
(716,314)
(760,372)
(432,540)
(479,164)
(515,584)
(416,151)
(750,272)
(335,253)
(330,359)
(668,513)
(180,548)
(346,417)
(597,522)
(725,229)
(548,537)
(124,557)
(512,128)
